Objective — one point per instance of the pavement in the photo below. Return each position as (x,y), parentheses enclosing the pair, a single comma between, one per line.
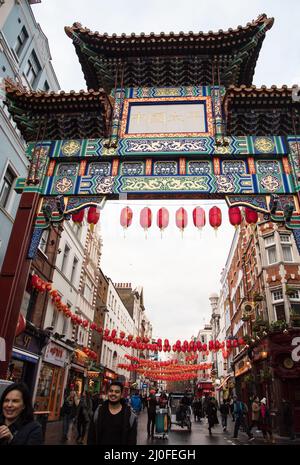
(177,436)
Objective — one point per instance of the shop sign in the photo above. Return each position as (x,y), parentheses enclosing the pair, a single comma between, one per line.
(27,342)
(242,366)
(296,351)
(109,374)
(55,354)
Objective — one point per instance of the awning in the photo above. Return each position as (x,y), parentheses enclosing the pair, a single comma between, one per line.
(223,382)
(26,356)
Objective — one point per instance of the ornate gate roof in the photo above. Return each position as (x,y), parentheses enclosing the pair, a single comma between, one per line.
(183,59)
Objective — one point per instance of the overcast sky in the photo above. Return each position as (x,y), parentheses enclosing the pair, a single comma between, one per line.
(178,274)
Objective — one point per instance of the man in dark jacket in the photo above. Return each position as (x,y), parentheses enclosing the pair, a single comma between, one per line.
(151,408)
(113,423)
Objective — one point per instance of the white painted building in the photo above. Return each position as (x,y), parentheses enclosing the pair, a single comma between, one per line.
(204,336)
(117,318)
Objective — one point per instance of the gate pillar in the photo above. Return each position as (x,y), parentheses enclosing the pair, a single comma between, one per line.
(14,273)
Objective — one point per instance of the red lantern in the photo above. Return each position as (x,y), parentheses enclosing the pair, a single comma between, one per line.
(235,216)
(77,217)
(93,326)
(126,217)
(21,325)
(93,217)
(162,218)
(251,215)
(199,217)
(215,217)
(146,218)
(181,219)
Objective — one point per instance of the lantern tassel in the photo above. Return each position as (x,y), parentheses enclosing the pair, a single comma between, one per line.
(216,232)
(92,227)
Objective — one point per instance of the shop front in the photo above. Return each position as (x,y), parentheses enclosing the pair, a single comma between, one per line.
(244,379)
(51,380)
(284,351)
(25,359)
(78,373)
(95,378)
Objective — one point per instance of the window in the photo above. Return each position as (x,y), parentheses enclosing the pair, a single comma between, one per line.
(88,289)
(271,249)
(65,259)
(44,240)
(7,188)
(74,270)
(278,304)
(54,319)
(285,240)
(46,86)
(21,41)
(33,68)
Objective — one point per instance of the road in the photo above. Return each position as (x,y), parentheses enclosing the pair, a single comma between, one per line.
(177,435)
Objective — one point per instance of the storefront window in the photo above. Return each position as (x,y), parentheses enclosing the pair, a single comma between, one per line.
(49,391)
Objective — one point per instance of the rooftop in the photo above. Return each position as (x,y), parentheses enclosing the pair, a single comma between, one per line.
(148,60)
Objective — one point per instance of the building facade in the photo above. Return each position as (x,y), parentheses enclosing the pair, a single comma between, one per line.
(24,57)
(264,305)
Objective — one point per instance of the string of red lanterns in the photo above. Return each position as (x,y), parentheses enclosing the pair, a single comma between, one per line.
(181,217)
(138,343)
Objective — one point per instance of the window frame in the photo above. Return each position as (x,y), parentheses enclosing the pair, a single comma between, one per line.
(269,246)
(7,205)
(20,45)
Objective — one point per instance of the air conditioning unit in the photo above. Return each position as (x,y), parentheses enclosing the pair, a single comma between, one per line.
(247,308)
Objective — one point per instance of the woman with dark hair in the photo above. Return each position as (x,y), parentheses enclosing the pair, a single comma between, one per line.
(17,425)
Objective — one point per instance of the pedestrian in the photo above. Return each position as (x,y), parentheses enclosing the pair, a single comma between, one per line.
(265,421)
(144,401)
(151,411)
(17,424)
(136,403)
(114,422)
(240,414)
(196,407)
(255,409)
(211,412)
(224,410)
(288,418)
(66,413)
(84,415)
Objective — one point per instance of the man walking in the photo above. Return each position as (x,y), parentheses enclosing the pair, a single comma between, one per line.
(224,410)
(240,414)
(151,409)
(114,423)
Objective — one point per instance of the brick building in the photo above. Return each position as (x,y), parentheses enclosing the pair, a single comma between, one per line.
(264,304)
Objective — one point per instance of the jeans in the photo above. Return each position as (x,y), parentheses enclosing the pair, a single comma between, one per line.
(241,421)
(224,420)
(151,424)
(66,424)
(81,428)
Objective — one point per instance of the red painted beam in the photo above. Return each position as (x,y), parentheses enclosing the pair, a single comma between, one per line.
(14,273)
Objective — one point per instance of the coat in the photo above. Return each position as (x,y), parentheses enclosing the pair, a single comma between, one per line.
(24,434)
